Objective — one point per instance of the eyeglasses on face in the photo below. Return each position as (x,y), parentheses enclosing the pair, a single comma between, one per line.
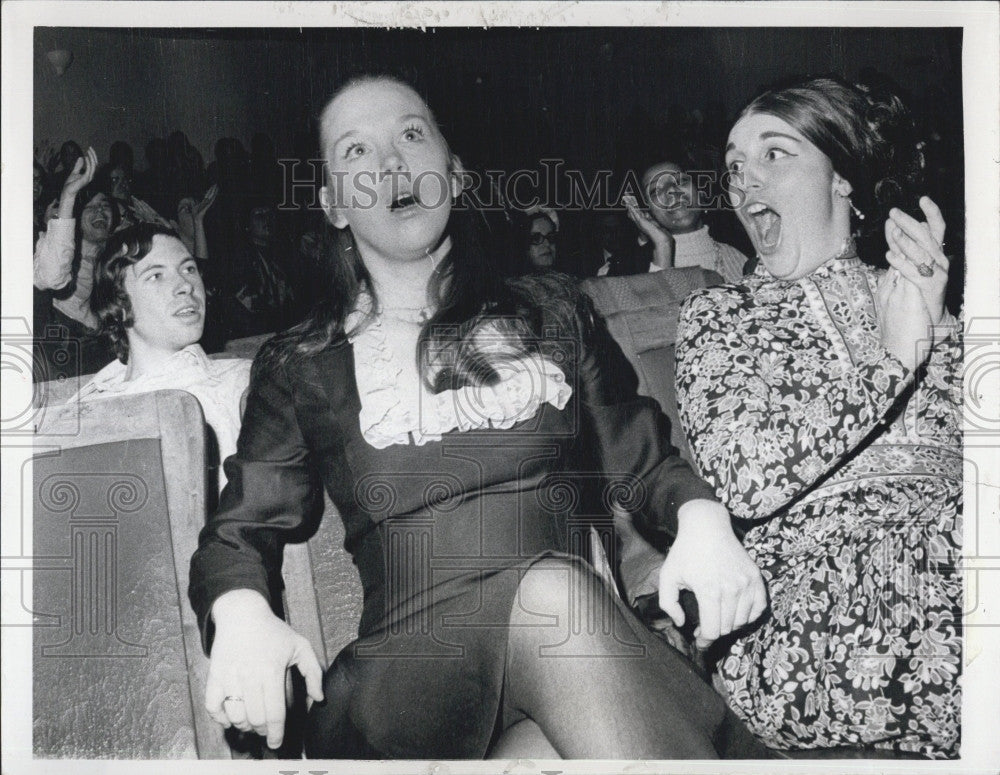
(537,238)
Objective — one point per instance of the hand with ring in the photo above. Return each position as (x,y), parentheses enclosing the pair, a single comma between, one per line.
(251,654)
(916,251)
(910,296)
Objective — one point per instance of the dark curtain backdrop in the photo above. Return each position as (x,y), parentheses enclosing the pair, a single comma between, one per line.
(506,97)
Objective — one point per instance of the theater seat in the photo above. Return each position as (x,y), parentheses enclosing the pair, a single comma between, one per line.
(119,491)
(641,312)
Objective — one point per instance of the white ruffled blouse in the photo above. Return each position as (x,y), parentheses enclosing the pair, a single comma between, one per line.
(393,412)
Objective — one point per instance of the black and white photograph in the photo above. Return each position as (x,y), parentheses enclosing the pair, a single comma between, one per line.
(522,387)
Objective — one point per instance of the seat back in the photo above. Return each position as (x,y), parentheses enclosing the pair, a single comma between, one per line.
(641,312)
(119,491)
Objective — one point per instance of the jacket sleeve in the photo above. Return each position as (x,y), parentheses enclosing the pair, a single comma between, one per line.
(53,261)
(760,439)
(273,496)
(632,438)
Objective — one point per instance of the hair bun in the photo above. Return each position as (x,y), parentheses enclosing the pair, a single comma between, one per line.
(895,160)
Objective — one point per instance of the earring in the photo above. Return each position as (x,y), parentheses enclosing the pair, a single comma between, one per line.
(427,252)
(857,213)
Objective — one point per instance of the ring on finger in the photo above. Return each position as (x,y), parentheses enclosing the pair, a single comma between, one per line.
(926,270)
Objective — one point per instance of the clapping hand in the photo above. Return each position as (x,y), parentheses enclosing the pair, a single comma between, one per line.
(81,174)
(911,294)
(199,210)
(148,214)
(644,221)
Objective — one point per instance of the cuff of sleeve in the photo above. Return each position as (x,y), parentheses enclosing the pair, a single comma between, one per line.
(62,227)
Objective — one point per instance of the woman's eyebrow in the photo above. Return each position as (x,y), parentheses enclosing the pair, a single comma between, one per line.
(767,136)
(771,135)
(348,133)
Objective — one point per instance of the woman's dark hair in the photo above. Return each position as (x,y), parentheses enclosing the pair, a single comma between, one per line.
(83,198)
(108,299)
(869,137)
(467,288)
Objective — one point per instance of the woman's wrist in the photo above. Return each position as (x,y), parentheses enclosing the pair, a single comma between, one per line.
(703,513)
(239,604)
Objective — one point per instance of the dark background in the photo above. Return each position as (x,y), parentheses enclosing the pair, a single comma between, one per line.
(505,96)
(597,98)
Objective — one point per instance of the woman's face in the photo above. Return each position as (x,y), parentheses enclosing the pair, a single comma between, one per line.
(792,204)
(542,243)
(95,220)
(389,170)
(36,185)
(669,192)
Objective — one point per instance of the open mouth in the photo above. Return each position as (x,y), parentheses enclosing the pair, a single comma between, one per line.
(100,223)
(766,223)
(188,312)
(403,202)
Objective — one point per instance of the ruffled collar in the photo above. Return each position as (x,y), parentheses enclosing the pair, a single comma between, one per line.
(392,413)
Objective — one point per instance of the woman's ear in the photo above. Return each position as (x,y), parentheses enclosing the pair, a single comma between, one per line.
(841,186)
(334,214)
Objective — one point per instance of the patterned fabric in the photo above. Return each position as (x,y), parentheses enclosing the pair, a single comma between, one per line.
(849,469)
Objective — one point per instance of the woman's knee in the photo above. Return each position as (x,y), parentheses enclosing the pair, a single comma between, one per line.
(551,589)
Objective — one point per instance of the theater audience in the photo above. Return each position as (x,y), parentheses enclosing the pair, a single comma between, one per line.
(620,253)
(418,317)
(150,300)
(255,285)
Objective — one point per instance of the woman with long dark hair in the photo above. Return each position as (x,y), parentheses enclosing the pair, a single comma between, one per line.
(821,398)
(443,407)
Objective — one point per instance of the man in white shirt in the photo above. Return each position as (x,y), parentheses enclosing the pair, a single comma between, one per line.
(150,300)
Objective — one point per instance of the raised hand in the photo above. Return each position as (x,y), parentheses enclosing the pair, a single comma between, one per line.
(644,221)
(708,559)
(251,653)
(81,174)
(917,251)
(199,210)
(663,240)
(147,213)
(911,294)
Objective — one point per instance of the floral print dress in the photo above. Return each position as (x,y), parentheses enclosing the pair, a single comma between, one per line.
(847,468)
